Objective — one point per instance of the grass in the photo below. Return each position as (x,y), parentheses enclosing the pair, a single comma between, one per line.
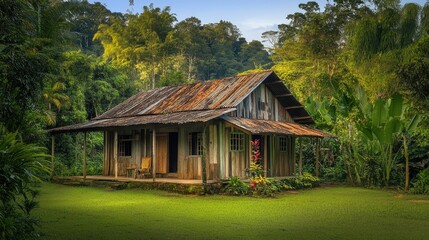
(325,213)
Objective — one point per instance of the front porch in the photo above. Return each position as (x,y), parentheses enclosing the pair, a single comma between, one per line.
(129,180)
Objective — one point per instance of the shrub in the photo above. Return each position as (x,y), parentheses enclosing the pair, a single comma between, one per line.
(234,186)
(301,182)
(21,165)
(263,186)
(281,186)
(336,173)
(421,183)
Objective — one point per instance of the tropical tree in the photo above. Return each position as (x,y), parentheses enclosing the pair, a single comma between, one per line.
(141,44)
(53,97)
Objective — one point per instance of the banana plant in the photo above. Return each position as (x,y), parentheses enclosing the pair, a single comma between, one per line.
(383,124)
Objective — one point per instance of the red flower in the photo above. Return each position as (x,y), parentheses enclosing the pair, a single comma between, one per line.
(253,184)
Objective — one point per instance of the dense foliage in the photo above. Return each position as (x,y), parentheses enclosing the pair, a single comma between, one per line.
(360,68)
(22,165)
(421,182)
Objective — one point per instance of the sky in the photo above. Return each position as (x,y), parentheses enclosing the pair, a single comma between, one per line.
(252,17)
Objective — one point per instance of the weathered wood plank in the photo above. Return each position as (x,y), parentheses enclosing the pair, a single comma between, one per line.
(115,153)
(161,153)
(154,154)
(181,153)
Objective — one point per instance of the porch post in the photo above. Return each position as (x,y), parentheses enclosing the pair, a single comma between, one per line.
(221,141)
(52,155)
(204,157)
(272,137)
(317,156)
(300,156)
(115,153)
(105,155)
(265,155)
(145,144)
(154,154)
(250,150)
(84,156)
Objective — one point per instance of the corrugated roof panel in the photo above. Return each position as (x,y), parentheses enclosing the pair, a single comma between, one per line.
(169,118)
(213,94)
(267,126)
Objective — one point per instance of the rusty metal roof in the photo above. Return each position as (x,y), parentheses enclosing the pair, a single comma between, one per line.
(169,118)
(202,95)
(266,126)
(186,103)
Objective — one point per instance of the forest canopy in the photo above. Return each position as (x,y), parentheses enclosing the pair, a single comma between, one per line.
(360,67)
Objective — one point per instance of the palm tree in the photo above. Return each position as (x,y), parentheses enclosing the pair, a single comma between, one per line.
(53,96)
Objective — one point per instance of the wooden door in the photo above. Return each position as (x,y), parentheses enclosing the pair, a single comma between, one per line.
(161,153)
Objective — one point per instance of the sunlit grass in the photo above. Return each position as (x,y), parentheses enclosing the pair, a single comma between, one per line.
(325,213)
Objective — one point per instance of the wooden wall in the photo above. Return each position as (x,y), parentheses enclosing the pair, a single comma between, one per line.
(221,161)
(262,104)
(283,161)
(124,162)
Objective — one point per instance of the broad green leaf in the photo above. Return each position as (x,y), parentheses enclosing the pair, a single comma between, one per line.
(392,128)
(379,113)
(415,120)
(396,105)
(366,131)
(380,134)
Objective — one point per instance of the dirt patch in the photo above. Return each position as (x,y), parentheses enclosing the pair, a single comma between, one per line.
(399,195)
(418,201)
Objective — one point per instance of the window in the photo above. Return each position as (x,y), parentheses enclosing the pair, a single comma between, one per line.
(195,141)
(283,141)
(125,142)
(236,141)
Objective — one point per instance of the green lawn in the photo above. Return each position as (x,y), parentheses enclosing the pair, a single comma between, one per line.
(324,213)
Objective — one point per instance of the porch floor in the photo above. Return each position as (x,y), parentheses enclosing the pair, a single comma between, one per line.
(126,179)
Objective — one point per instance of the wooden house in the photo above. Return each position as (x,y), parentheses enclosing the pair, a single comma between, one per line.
(203,130)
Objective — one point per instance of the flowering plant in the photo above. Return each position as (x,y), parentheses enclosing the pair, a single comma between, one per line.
(255,169)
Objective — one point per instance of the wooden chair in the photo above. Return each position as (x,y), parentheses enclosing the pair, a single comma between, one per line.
(144,170)
(131,170)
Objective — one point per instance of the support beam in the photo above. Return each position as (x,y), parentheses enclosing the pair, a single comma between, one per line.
(249,150)
(84,156)
(283,95)
(115,153)
(144,144)
(265,155)
(105,160)
(294,107)
(300,156)
(301,118)
(275,82)
(272,141)
(221,141)
(52,155)
(204,157)
(154,154)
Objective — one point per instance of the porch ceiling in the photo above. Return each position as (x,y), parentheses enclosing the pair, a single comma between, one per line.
(167,118)
(267,126)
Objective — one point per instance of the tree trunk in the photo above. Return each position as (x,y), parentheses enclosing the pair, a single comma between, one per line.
(407,170)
